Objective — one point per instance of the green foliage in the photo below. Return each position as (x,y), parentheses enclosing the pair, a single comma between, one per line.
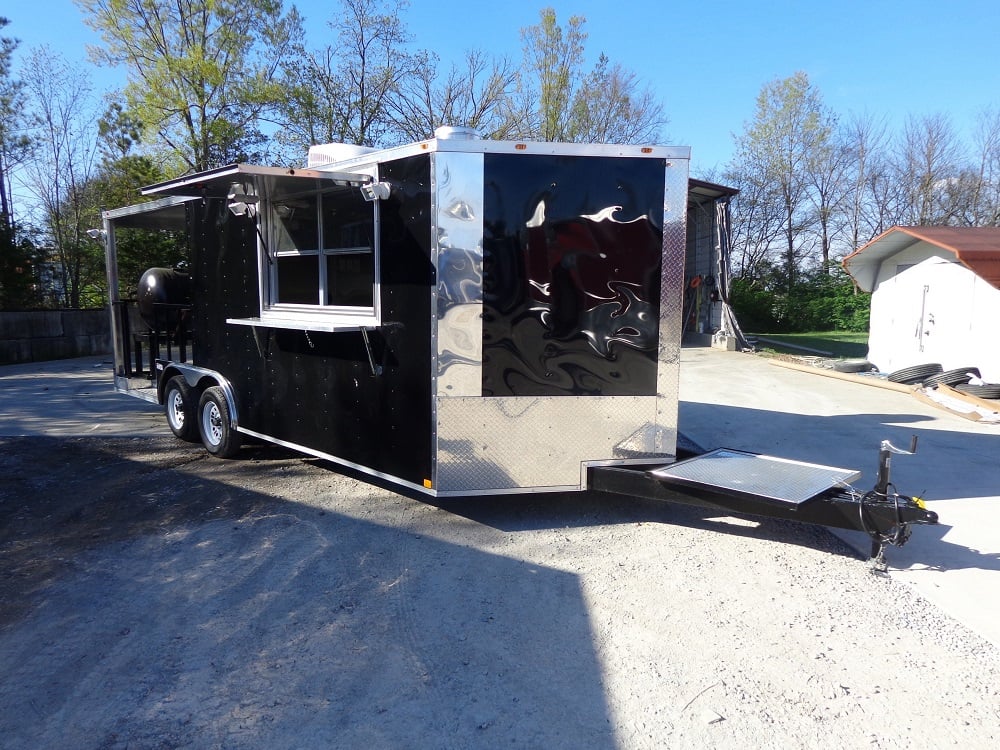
(828,301)
(139,250)
(756,308)
(118,184)
(18,269)
(838,343)
(554,55)
(201,72)
(824,300)
(775,172)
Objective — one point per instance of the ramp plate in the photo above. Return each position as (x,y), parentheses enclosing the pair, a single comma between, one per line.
(753,476)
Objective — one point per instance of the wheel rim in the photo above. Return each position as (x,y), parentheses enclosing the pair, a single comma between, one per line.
(211,421)
(176,409)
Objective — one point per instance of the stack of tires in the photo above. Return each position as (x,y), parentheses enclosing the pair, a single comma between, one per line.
(959,378)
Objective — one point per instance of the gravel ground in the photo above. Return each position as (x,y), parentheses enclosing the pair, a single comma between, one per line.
(151,597)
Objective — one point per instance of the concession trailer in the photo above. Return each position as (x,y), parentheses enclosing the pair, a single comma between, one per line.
(458,317)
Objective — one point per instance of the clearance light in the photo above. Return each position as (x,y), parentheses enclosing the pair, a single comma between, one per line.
(428,484)
(521,146)
(647,150)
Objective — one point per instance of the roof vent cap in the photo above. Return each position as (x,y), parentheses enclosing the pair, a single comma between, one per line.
(456,133)
(331,153)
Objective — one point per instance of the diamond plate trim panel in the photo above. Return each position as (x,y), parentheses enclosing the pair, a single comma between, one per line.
(507,443)
(675,195)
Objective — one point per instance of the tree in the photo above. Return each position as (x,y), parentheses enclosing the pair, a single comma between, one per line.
(928,157)
(557,101)
(120,177)
(62,164)
(13,141)
(866,206)
(827,190)
(780,146)
(610,107)
(757,220)
(200,72)
(553,57)
(341,93)
(17,253)
(985,209)
(475,96)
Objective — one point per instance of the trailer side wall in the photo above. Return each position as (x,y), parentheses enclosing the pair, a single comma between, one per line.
(318,389)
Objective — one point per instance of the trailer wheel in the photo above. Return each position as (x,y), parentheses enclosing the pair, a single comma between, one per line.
(214,418)
(180,407)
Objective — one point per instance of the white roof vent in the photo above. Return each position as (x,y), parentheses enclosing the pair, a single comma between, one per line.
(456,133)
(331,153)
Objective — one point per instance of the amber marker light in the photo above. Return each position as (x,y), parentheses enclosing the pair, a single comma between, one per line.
(428,484)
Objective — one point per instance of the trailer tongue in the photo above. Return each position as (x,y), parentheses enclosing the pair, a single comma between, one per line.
(753,484)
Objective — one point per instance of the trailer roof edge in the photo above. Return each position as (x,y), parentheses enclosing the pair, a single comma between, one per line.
(487,146)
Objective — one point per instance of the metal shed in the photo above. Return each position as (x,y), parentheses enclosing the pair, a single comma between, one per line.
(935,297)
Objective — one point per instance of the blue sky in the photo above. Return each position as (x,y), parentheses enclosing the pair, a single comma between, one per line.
(706,61)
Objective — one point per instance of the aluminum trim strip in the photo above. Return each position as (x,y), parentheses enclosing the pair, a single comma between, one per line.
(342,462)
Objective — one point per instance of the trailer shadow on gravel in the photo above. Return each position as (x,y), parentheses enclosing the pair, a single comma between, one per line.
(515,513)
(150,598)
(581,509)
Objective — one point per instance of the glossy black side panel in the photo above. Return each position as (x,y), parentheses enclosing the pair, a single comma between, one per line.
(571,275)
(317,389)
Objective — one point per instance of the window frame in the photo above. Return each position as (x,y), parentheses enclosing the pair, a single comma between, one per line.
(321,315)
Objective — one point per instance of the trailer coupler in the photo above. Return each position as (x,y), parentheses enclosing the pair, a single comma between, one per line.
(887,515)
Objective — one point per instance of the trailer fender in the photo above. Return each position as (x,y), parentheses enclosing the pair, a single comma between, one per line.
(199,378)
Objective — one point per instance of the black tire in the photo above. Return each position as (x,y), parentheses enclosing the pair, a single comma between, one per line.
(952,377)
(915,374)
(181,407)
(853,365)
(215,424)
(986,390)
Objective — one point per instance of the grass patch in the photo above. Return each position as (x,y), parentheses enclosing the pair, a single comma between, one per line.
(847,344)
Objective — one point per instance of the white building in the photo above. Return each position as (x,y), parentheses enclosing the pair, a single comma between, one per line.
(935,297)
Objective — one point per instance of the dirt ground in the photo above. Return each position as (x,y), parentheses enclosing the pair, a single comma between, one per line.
(152,597)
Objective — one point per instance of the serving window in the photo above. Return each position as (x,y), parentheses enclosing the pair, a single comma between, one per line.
(322,260)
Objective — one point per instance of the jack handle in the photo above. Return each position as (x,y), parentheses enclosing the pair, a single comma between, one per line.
(884,461)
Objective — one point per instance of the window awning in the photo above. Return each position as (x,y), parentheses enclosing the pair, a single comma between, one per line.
(166,214)
(269,182)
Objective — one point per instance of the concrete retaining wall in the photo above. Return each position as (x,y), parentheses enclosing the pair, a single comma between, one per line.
(53,334)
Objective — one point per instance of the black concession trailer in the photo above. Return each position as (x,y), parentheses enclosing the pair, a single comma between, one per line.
(458,316)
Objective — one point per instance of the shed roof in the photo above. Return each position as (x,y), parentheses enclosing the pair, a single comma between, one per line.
(977,248)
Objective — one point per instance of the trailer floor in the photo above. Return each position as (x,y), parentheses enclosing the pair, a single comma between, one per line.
(152,597)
